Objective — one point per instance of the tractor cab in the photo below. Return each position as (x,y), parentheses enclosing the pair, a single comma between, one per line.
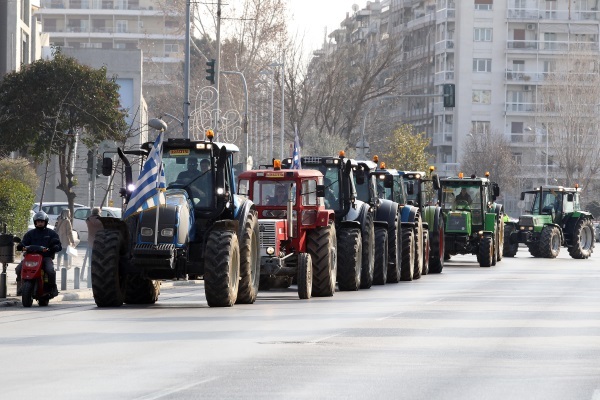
(553,201)
(365,183)
(419,193)
(390,185)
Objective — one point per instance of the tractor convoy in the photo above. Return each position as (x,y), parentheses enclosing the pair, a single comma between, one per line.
(336,223)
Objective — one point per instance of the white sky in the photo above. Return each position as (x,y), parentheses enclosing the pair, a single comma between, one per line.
(312,16)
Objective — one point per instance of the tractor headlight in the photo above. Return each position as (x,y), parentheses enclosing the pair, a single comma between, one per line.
(167,232)
(30,263)
(270,251)
(220,191)
(146,231)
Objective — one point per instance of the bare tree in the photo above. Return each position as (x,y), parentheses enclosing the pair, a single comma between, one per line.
(571,117)
(490,152)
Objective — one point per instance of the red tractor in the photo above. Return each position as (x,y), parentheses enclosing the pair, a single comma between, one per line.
(296,233)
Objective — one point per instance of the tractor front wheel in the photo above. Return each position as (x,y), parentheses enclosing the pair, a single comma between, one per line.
(509,249)
(141,290)
(349,259)
(486,249)
(321,245)
(381,256)
(408,254)
(304,276)
(108,286)
(549,242)
(221,270)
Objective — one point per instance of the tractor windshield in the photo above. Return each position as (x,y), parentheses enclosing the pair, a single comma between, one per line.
(192,170)
(415,196)
(331,180)
(463,197)
(362,189)
(273,193)
(551,202)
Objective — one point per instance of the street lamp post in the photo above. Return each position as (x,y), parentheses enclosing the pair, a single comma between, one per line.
(282,65)
(272,73)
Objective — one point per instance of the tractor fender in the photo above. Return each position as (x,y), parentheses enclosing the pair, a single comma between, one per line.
(499,209)
(408,225)
(244,208)
(560,230)
(387,212)
(409,213)
(432,216)
(490,221)
(381,224)
(127,228)
(354,213)
(324,217)
(348,224)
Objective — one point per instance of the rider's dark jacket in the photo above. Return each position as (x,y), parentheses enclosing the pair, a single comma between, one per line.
(42,237)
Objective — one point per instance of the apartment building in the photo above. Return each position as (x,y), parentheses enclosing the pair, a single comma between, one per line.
(121,24)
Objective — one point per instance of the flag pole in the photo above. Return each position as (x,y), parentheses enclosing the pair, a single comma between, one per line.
(158,180)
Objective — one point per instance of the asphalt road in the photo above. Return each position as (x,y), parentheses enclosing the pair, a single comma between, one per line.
(524,329)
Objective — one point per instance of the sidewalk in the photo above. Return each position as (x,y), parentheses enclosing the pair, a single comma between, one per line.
(69,293)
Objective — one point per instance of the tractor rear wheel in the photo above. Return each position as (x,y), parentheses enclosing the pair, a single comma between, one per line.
(495,248)
(249,261)
(408,254)
(368,252)
(349,259)
(304,277)
(221,268)
(549,242)
(500,241)
(321,245)
(108,286)
(141,290)
(419,248)
(381,256)
(426,251)
(509,249)
(486,249)
(582,242)
(394,251)
(437,256)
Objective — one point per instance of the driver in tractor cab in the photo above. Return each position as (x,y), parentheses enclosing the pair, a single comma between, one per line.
(330,197)
(199,180)
(41,235)
(463,196)
(280,198)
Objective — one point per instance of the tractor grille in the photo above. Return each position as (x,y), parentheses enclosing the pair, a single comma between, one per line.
(457,222)
(525,221)
(311,160)
(266,233)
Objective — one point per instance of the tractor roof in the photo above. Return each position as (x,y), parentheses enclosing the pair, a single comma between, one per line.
(413,174)
(281,174)
(471,181)
(554,188)
(386,171)
(368,163)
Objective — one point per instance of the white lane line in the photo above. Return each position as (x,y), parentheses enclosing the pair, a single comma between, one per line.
(402,312)
(325,338)
(596,395)
(168,392)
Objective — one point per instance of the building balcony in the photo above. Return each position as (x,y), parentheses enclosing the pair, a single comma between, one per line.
(444,46)
(444,77)
(519,108)
(535,14)
(442,139)
(444,15)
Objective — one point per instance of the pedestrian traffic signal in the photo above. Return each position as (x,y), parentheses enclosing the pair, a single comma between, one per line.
(90,162)
(211,71)
(449,95)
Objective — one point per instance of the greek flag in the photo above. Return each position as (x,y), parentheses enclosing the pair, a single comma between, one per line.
(150,186)
(296,163)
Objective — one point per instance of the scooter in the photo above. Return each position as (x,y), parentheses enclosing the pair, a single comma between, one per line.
(34,281)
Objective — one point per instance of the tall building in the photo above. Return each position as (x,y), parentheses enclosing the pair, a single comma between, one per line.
(121,24)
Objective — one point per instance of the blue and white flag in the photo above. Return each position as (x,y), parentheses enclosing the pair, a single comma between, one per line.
(296,162)
(150,186)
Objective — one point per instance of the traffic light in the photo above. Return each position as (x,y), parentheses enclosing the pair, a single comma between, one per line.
(449,95)
(90,162)
(211,71)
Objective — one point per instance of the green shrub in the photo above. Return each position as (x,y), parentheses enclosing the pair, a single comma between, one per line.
(19,169)
(16,199)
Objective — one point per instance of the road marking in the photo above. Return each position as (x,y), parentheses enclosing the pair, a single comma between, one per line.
(168,392)
(325,338)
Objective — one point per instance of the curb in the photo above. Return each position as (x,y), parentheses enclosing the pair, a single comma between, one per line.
(86,294)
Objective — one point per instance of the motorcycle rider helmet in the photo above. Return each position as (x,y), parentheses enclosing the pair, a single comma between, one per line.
(41,216)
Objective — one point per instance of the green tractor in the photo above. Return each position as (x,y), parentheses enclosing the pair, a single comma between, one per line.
(554,219)
(474,222)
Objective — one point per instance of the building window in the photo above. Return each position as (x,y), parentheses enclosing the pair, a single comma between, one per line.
(517,158)
(482,127)
(484,4)
(482,34)
(516,132)
(171,48)
(121,26)
(482,65)
(482,96)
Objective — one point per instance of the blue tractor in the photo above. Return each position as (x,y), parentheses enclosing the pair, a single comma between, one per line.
(204,229)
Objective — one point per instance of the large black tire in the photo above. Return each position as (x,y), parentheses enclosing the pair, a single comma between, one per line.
(509,249)
(500,242)
(534,249)
(495,248)
(221,268)
(381,256)
(249,261)
(304,277)
(108,286)
(141,290)
(436,257)
(486,250)
(408,255)
(426,250)
(582,240)
(550,242)
(394,251)
(27,294)
(349,259)
(368,252)
(419,248)
(321,245)
(44,301)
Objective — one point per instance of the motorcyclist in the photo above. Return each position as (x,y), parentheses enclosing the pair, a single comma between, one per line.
(41,235)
